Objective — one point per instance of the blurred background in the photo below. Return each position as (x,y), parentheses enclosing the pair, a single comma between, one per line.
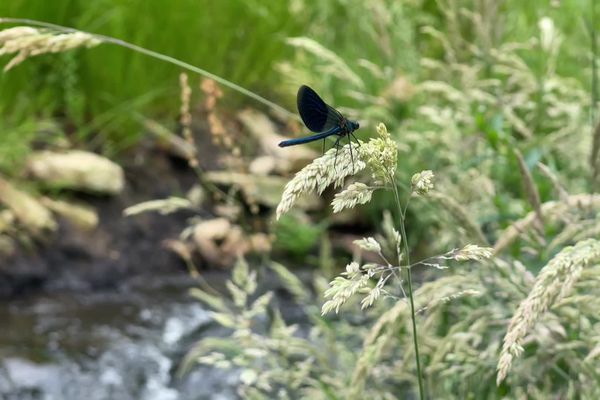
(128,183)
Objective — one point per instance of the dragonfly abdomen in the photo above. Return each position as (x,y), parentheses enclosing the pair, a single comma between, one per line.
(312,138)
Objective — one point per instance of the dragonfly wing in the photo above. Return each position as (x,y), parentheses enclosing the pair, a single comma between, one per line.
(315,113)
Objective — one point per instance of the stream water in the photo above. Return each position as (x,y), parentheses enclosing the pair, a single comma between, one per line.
(119,345)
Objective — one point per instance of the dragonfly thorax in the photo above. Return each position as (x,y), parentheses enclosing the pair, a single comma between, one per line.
(348,126)
(354,125)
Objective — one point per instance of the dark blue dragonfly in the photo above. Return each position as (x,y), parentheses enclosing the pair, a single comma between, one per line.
(322,119)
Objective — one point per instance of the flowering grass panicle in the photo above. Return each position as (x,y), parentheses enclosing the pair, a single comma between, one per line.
(553,283)
(185,118)
(221,136)
(27,42)
(356,193)
(372,295)
(342,288)
(381,155)
(449,298)
(422,182)
(472,252)
(332,168)
(368,244)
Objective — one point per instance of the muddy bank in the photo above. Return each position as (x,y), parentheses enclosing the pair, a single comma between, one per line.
(119,248)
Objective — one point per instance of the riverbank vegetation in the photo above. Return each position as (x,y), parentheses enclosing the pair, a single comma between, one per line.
(454,254)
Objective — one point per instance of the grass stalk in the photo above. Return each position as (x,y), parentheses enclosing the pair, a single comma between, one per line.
(594,96)
(410,288)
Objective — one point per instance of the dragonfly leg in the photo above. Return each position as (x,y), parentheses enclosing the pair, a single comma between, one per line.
(351,155)
(337,149)
(357,142)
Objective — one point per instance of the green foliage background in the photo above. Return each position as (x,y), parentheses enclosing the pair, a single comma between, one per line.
(241,41)
(97,91)
(457,82)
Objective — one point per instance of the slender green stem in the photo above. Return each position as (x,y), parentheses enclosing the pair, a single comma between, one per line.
(591,25)
(410,289)
(594,50)
(414,325)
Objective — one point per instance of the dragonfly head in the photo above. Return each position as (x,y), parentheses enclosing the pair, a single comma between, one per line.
(354,125)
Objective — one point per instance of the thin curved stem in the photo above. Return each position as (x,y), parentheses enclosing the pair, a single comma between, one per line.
(159,56)
(410,288)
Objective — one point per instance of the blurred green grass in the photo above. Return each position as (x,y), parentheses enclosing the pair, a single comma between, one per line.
(97,91)
(95,94)
(352,52)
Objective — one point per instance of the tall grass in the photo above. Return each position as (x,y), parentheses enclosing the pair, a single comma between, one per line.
(549,348)
(467,81)
(488,84)
(487,95)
